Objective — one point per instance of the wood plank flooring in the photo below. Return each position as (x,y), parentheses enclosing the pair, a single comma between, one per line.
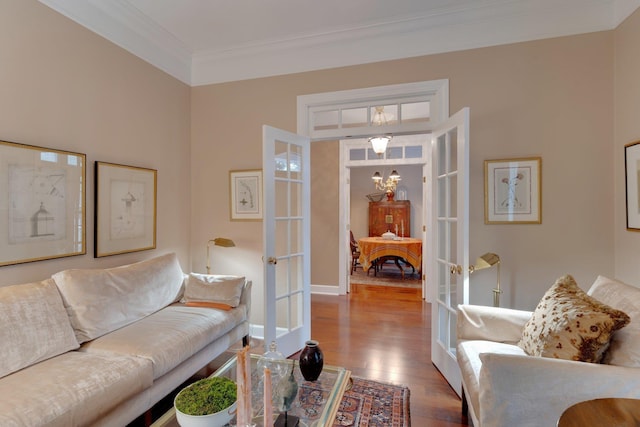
(384,333)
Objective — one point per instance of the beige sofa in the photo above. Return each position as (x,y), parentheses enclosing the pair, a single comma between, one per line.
(100,347)
(504,386)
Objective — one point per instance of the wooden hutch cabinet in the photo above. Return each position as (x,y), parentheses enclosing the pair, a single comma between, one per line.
(385,215)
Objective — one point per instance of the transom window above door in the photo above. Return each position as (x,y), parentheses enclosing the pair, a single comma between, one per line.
(405,109)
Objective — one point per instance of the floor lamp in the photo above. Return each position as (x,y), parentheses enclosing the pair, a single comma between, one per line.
(486,261)
(218,241)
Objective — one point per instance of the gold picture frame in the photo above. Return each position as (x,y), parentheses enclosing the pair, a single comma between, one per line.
(632,184)
(513,191)
(42,203)
(245,195)
(125,209)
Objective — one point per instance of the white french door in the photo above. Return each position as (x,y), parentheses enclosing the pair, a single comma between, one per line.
(286,237)
(448,267)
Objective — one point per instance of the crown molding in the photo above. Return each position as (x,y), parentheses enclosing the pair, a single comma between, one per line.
(452,28)
(445,31)
(124,25)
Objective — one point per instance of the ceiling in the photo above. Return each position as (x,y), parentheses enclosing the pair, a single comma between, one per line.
(211,41)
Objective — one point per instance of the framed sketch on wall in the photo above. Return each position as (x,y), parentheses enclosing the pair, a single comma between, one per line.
(246,195)
(512,191)
(632,184)
(42,203)
(125,209)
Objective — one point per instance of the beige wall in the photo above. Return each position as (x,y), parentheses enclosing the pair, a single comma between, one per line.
(627,129)
(67,88)
(325,219)
(550,98)
(64,87)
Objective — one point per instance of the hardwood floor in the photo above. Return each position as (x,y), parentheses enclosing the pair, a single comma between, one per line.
(384,333)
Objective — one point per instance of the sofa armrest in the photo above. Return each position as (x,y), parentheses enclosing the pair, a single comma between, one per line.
(478,322)
(245,297)
(535,391)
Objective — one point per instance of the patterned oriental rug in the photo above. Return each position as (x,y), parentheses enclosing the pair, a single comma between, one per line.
(374,404)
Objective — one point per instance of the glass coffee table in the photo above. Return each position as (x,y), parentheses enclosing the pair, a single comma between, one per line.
(315,405)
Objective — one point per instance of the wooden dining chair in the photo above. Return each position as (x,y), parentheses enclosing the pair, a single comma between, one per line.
(355,253)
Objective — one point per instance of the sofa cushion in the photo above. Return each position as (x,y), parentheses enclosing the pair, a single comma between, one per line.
(210,288)
(34,325)
(625,344)
(170,336)
(72,389)
(101,301)
(569,324)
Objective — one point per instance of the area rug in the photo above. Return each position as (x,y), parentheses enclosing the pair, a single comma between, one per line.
(389,276)
(374,404)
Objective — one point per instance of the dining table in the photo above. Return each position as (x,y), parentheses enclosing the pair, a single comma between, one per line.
(407,249)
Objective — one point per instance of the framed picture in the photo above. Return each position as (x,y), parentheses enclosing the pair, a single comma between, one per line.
(632,184)
(125,209)
(246,195)
(512,191)
(42,203)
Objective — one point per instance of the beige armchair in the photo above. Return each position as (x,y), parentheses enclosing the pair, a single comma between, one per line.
(504,387)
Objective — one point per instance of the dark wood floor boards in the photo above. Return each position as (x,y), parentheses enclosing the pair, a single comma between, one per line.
(383,333)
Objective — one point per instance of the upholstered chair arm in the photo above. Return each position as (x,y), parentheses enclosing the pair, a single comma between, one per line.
(478,322)
(531,391)
(245,297)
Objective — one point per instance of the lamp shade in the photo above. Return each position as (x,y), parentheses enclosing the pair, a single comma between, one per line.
(379,143)
(487,260)
(224,242)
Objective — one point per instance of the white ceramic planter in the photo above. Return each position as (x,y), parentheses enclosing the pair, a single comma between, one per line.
(219,419)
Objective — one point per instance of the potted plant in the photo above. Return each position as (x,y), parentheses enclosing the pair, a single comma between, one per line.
(208,402)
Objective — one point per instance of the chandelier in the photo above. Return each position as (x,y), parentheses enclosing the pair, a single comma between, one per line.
(389,185)
(379,143)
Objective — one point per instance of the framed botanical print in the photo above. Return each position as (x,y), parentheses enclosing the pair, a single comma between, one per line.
(512,191)
(42,203)
(245,195)
(125,209)
(632,184)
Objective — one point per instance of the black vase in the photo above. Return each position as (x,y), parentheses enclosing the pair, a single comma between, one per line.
(311,361)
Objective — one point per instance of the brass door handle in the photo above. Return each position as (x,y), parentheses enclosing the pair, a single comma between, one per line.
(272,260)
(455,269)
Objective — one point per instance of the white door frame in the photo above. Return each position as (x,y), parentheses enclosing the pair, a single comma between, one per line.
(434,91)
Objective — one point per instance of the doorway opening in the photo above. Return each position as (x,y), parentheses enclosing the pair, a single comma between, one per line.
(408,155)
(412,109)
(393,273)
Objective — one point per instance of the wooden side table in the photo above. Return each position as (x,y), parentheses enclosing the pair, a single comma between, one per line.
(609,412)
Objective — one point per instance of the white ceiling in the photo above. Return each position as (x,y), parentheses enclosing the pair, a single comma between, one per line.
(212,41)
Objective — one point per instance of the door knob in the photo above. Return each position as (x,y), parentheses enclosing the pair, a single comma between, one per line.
(272,260)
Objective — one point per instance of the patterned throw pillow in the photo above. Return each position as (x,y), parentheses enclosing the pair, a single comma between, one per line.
(569,324)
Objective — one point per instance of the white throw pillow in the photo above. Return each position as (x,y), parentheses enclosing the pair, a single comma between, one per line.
(101,301)
(625,344)
(213,288)
(34,325)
